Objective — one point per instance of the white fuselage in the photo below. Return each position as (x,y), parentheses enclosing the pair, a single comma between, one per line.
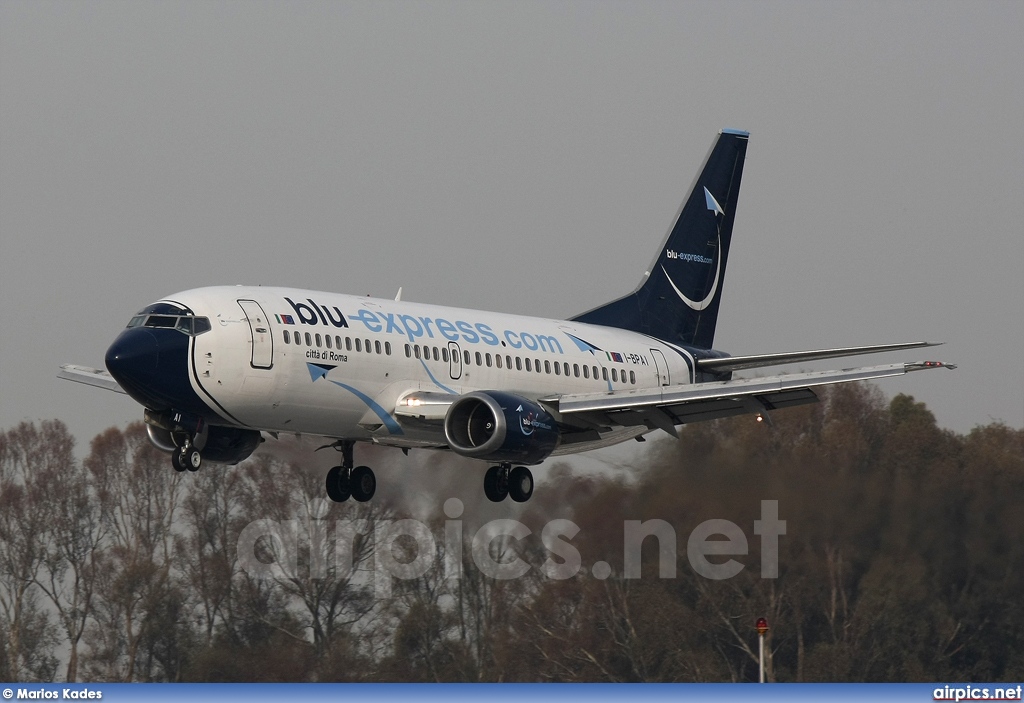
(336,365)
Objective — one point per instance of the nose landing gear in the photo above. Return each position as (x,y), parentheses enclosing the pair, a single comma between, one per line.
(188,444)
(187,458)
(344,481)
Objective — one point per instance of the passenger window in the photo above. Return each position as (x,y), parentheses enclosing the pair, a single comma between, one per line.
(466,357)
(416,350)
(479,359)
(359,344)
(632,377)
(368,347)
(444,354)
(327,340)
(576,370)
(497,360)
(298,339)
(547,366)
(519,364)
(408,352)
(348,344)
(337,342)
(287,337)
(604,373)
(487,358)
(615,376)
(586,371)
(565,366)
(318,340)
(558,368)
(508,361)
(387,348)
(376,346)
(309,340)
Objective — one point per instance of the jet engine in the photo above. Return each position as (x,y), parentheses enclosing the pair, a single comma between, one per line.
(501,427)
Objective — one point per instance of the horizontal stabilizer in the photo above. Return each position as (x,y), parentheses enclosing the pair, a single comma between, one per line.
(739,363)
(89,376)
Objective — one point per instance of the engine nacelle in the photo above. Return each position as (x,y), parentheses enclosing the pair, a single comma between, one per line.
(224,445)
(497,426)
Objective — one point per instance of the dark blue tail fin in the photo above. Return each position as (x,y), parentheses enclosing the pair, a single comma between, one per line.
(678,299)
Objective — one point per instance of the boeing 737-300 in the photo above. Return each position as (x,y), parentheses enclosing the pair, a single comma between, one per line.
(218,368)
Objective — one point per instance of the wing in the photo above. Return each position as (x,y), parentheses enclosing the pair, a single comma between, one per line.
(89,376)
(739,363)
(668,406)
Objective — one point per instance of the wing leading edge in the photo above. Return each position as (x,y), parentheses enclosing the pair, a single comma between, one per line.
(665,407)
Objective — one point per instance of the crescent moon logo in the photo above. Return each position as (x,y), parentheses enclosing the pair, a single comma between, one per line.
(694,304)
(715,208)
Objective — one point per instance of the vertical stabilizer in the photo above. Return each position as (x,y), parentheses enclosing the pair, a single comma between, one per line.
(679,296)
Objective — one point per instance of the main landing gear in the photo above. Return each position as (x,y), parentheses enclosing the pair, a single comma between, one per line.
(345,481)
(503,480)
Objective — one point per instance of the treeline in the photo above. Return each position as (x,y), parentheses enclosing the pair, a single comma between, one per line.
(902,560)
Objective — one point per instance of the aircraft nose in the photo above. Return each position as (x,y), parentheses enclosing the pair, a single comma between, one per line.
(133,360)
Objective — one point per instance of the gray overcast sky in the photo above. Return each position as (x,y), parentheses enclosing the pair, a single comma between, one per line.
(524,157)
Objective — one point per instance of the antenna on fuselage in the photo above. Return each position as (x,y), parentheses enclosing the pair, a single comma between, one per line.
(398,296)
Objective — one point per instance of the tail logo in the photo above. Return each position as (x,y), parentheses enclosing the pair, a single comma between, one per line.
(699,305)
(713,205)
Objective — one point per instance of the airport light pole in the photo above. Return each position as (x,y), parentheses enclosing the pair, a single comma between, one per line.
(762,629)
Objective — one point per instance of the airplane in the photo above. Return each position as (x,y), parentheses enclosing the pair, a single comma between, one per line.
(217,369)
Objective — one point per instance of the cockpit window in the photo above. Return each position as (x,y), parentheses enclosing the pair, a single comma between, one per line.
(161,321)
(186,324)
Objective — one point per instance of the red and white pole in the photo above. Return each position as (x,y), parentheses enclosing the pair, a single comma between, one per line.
(762,629)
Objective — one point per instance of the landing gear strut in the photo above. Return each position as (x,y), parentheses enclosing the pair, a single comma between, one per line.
(344,481)
(504,481)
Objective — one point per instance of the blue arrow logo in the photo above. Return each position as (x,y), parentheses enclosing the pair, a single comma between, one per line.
(318,370)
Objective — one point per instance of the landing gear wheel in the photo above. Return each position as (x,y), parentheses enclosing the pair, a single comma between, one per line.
(338,484)
(363,483)
(192,459)
(520,484)
(496,483)
(176,461)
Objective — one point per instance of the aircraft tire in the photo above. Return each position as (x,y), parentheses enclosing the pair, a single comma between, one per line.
(338,484)
(176,461)
(495,484)
(362,483)
(520,484)
(192,459)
